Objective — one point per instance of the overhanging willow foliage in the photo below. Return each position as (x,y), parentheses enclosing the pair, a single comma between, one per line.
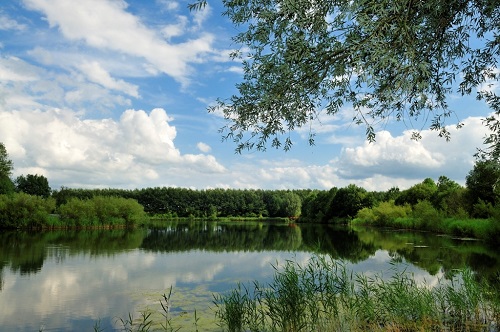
(387,59)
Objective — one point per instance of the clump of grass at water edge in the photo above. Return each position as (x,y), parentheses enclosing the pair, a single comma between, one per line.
(324,296)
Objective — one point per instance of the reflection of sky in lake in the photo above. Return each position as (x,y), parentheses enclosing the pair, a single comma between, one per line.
(74,292)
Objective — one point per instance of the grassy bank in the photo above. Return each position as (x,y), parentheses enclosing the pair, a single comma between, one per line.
(424,217)
(160,219)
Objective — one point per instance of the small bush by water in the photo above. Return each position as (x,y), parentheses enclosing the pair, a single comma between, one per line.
(18,210)
(101,211)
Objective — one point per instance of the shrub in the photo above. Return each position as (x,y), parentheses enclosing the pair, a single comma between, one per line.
(77,212)
(366,216)
(102,211)
(384,214)
(23,210)
(426,216)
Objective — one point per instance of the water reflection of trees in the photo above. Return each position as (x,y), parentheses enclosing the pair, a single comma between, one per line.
(434,253)
(25,252)
(178,237)
(338,242)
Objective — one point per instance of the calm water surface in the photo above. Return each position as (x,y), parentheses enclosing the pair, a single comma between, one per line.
(71,280)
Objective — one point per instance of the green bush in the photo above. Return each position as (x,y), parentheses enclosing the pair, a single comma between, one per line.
(366,216)
(23,210)
(384,214)
(101,211)
(77,212)
(426,216)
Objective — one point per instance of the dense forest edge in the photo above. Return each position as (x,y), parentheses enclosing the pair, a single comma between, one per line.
(442,206)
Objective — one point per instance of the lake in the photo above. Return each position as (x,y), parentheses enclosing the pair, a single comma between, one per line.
(73,280)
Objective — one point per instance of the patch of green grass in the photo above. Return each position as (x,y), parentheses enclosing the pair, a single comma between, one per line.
(424,217)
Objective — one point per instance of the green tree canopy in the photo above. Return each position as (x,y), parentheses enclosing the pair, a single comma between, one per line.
(387,59)
(349,200)
(423,191)
(37,185)
(482,181)
(6,165)
(6,185)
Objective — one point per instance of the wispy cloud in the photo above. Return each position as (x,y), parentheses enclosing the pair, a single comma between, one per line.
(95,73)
(89,22)
(7,23)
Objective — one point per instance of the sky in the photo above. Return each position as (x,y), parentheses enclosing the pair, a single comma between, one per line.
(114,94)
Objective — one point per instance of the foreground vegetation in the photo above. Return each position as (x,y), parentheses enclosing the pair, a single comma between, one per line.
(324,296)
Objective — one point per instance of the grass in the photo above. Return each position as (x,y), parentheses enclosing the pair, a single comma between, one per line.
(325,296)
(484,229)
(423,216)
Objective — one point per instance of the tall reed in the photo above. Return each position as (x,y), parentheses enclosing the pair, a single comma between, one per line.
(324,295)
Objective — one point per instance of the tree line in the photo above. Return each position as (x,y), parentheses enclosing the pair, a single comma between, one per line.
(210,203)
(418,206)
(478,199)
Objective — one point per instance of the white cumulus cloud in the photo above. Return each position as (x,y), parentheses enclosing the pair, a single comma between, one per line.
(137,150)
(400,156)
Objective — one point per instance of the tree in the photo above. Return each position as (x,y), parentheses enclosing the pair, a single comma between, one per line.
(482,181)
(6,185)
(449,197)
(315,207)
(291,205)
(445,187)
(283,203)
(349,200)
(387,59)
(6,165)
(423,191)
(37,185)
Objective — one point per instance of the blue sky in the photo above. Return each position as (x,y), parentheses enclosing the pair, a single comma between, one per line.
(112,93)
